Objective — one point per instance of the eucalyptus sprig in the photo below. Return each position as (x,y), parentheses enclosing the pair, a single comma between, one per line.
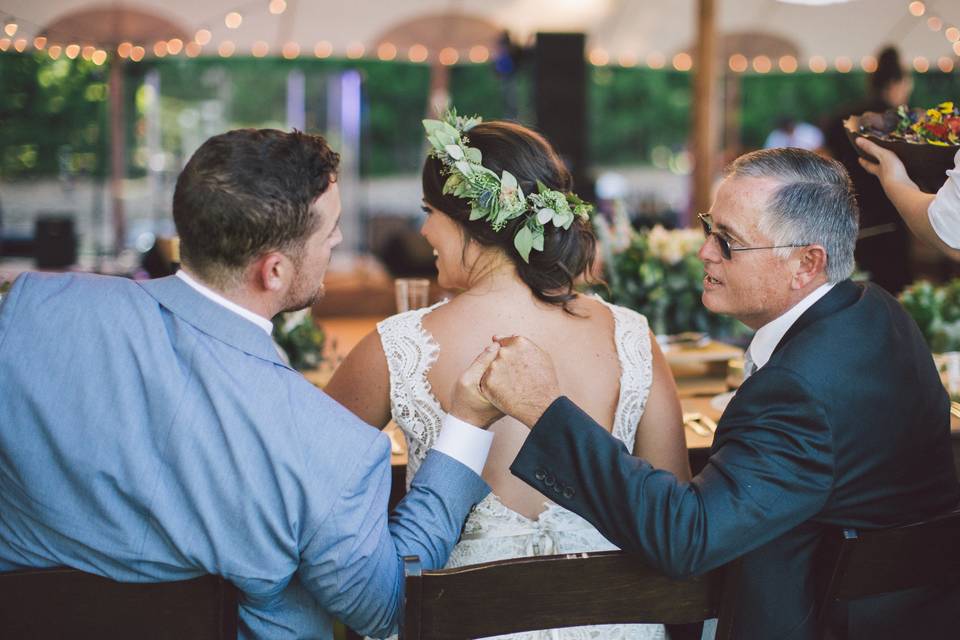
(498,199)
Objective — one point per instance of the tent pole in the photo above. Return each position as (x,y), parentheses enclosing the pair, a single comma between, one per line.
(704,101)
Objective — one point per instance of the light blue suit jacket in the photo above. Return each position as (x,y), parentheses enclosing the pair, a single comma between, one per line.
(149,434)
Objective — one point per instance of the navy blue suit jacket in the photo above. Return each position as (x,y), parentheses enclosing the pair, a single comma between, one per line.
(847,425)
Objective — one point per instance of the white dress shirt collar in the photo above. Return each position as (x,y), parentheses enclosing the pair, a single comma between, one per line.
(207,292)
(769,335)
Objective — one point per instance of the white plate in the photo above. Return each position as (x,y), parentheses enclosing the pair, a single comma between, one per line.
(720,401)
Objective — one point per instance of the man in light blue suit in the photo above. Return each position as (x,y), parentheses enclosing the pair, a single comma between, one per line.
(150,431)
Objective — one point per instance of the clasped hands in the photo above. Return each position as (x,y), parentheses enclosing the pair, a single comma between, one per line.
(512,376)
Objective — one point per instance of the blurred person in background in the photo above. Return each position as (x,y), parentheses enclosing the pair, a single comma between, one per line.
(883,244)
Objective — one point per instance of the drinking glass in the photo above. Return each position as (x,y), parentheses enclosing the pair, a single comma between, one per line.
(412,293)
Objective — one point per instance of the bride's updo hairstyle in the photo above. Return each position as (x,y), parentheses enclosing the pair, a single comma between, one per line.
(507,146)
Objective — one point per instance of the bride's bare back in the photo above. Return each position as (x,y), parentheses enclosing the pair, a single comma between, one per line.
(584,352)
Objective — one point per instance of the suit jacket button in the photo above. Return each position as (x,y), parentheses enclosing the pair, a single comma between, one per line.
(558,488)
(549,480)
(568,492)
(540,474)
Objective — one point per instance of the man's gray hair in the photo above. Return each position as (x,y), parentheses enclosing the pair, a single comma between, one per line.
(814,204)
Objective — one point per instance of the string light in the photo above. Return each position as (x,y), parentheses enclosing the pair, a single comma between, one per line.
(39,42)
(160,49)
(917,8)
(868,64)
(20,45)
(599,58)
(934,23)
(682,62)
(843,64)
(72,51)
(818,64)
(54,51)
(387,51)
(355,50)
(290,50)
(479,54)
(788,64)
(921,64)
(233,20)
(761,64)
(945,64)
(952,34)
(174,46)
(656,60)
(226,48)
(323,49)
(10,28)
(193,49)
(956,48)
(137,53)
(417,53)
(448,56)
(124,49)
(277,7)
(738,63)
(202,37)
(99,57)
(259,49)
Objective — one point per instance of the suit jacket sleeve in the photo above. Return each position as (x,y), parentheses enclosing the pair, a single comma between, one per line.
(772,468)
(353,564)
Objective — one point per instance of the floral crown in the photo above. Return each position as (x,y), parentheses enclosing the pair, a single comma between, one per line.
(497,199)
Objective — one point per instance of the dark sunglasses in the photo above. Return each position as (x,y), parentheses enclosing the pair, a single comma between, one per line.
(706,220)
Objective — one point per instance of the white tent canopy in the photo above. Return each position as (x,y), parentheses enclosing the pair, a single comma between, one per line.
(627,30)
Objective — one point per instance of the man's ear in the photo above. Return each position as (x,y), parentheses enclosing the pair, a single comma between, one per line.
(813,264)
(271,271)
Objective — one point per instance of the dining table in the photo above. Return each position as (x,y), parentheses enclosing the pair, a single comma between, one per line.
(706,372)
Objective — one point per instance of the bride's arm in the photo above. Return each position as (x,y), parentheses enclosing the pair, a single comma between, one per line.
(660,438)
(361,382)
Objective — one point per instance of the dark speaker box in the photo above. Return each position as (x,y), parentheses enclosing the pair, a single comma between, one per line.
(55,242)
(560,96)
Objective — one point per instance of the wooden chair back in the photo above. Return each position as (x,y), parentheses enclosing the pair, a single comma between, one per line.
(47,604)
(527,594)
(858,564)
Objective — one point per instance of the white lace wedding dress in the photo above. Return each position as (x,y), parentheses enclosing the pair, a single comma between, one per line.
(493,531)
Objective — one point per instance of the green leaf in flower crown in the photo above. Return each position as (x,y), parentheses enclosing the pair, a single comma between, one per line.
(454,181)
(541,188)
(523,242)
(545,215)
(538,238)
(474,155)
(477,213)
(464,167)
(564,219)
(454,151)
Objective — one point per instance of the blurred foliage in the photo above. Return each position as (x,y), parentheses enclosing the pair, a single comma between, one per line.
(657,272)
(53,115)
(936,311)
(300,338)
(633,111)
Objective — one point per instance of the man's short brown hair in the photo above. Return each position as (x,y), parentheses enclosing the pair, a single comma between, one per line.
(247,192)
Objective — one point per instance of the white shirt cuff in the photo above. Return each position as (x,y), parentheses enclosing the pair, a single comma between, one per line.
(464,443)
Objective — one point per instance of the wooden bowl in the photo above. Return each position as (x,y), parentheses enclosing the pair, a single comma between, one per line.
(927,164)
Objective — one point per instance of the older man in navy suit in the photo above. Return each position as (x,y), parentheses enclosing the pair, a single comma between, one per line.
(841,422)
(150,431)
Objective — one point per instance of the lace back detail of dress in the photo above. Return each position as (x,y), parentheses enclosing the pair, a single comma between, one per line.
(410,352)
(632,337)
(493,531)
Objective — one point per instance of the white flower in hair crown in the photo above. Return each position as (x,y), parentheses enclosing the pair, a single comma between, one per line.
(498,199)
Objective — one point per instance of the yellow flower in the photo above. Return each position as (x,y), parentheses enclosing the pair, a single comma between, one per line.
(934,115)
(945,107)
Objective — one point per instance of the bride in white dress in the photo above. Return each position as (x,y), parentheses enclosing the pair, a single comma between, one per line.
(605,358)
